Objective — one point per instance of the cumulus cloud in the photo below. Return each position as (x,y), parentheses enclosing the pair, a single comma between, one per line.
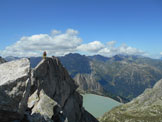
(108,49)
(58,43)
(161,53)
(111,43)
(91,47)
(111,50)
(55,32)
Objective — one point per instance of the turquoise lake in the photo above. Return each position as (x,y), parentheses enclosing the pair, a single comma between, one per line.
(98,105)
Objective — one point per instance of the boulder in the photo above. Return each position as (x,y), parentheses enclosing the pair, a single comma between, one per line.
(14,89)
(43,105)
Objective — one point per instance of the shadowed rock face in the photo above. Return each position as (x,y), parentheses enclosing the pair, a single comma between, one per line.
(52,86)
(145,108)
(14,89)
(51,77)
(88,83)
(2,60)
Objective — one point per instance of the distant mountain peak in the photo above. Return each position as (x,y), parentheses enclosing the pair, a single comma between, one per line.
(73,54)
(11,58)
(118,57)
(99,57)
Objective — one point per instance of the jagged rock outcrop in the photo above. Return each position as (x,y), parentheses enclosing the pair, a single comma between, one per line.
(87,82)
(52,87)
(44,94)
(145,108)
(2,60)
(14,89)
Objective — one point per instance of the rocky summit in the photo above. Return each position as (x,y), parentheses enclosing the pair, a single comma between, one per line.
(44,94)
(145,108)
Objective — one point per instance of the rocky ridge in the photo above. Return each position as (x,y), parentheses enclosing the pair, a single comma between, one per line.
(145,108)
(48,90)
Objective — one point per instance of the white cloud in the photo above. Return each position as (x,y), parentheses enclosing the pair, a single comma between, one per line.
(161,53)
(123,49)
(55,32)
(110,49)
(111,43)
(91,47)
(58,43)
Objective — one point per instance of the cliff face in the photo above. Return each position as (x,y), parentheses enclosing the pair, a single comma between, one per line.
(145,108)
(50,79)
(87,83)
(14,89)
(48,89)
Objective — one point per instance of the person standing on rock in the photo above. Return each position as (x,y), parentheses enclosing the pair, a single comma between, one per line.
(44,55)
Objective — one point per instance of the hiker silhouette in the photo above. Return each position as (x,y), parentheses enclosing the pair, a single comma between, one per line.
(44,55)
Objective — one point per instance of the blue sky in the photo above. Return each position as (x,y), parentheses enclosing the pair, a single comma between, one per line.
(134,23)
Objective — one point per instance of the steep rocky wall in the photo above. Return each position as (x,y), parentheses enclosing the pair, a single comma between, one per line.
(44,94)
(51,80)
(14,89)
(88,83)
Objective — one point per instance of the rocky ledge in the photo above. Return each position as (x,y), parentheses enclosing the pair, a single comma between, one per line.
(44,94)
(145,108)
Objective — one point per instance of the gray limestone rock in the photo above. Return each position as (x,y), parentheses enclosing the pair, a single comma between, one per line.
(14,89)
(44,94)
(53,87)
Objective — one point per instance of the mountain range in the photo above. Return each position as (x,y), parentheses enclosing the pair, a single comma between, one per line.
(121,77)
